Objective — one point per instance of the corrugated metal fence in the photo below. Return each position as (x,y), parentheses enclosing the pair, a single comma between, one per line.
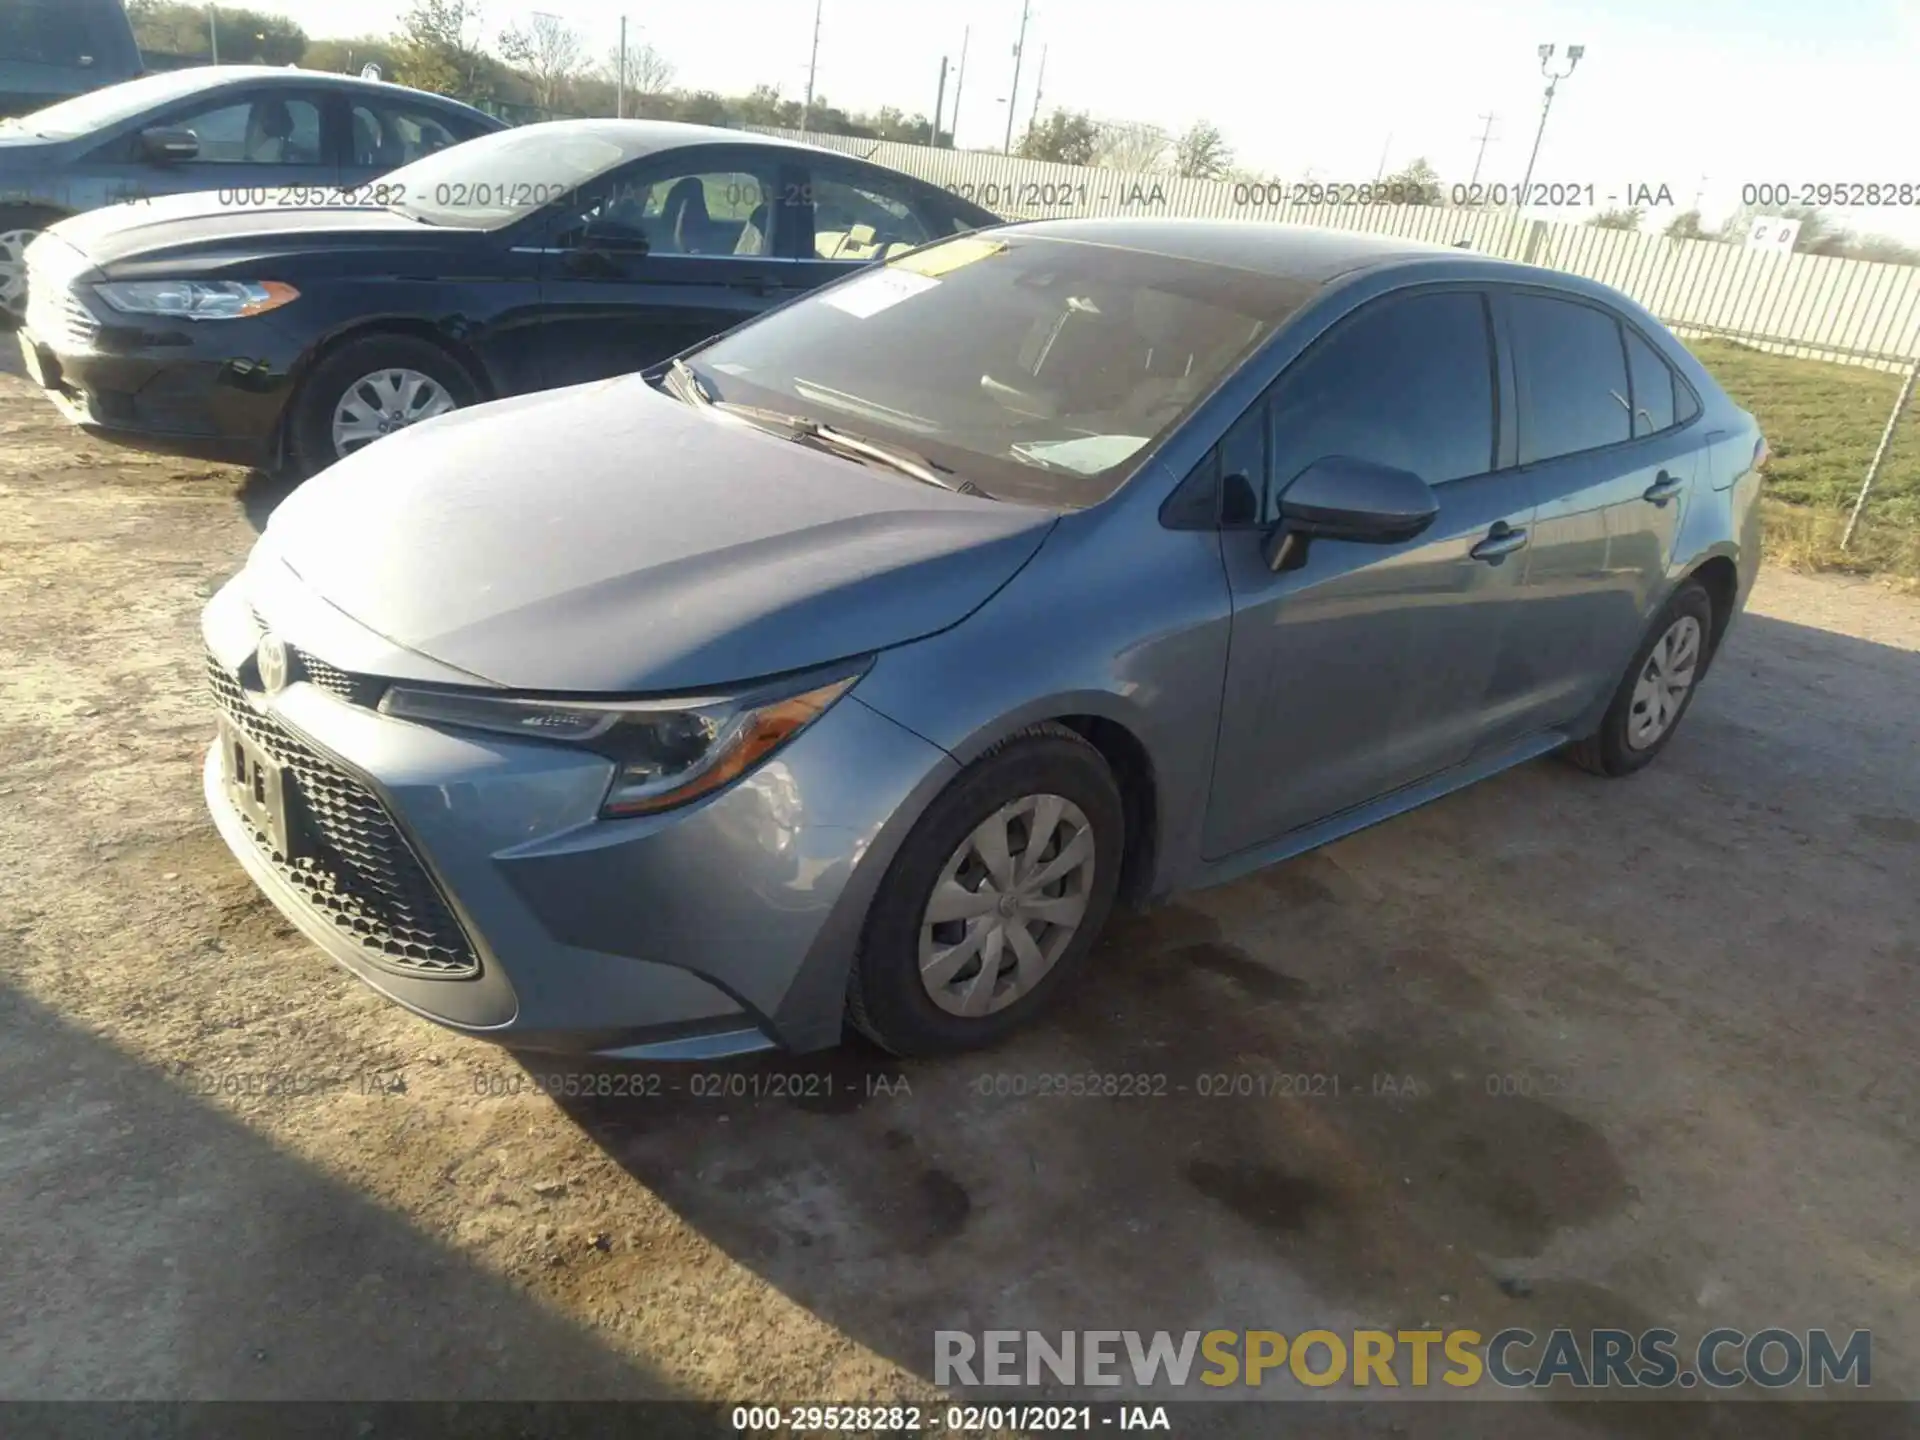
(1822,307)
(1855,312)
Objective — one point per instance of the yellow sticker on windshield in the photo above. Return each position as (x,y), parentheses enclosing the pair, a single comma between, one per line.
(937,260)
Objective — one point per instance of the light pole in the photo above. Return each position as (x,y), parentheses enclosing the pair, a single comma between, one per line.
(213,32)
(1483,137)
(813,64)
(1574,52)
(1013,95)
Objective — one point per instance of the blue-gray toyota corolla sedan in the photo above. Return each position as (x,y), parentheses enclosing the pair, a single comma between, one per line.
(851,667)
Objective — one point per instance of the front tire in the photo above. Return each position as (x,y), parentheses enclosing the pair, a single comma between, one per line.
(370,388)
(994,899)
(19,227)
(1655,692)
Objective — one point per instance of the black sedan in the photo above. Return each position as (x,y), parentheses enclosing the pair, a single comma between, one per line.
(288,329)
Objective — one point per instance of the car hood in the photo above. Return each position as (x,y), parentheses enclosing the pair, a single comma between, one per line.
(203,226)
(609,539)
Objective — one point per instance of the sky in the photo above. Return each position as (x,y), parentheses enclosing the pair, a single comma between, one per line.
(1702,97)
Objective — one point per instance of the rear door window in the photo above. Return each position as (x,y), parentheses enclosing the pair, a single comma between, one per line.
(864,219)
(385,136)
(1572,367)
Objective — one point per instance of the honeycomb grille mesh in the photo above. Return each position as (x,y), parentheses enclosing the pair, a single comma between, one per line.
(364,876)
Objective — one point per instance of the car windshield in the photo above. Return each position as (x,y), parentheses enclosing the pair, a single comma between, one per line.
(1041,370)
(497,179)
(101,109)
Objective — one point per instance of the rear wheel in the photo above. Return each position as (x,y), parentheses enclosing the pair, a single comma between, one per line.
(1656,690)
(994,899)
(370,389)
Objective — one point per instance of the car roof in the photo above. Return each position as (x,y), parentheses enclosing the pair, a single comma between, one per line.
(636,138)
(216,75)
(1291,252)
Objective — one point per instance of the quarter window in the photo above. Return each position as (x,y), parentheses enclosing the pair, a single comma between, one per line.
(1572,368)
(1654,387)
(1407,382)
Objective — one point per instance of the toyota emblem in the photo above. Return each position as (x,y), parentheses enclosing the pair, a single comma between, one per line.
(273,662)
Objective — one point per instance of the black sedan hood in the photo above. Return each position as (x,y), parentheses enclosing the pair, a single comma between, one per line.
(148,236)
(609,539)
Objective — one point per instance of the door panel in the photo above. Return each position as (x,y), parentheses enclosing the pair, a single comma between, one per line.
(1370,666)
(659,258)
(1610,504)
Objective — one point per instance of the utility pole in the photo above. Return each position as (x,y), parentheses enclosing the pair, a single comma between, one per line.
(1383,158)
(959,83)
(806,112)
(1574,52)
(939,103)
(1013,95)
(213,32)
(1485,136)
(1039,84)
(620,103)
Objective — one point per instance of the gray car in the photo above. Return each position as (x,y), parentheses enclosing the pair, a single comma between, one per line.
(251,134)
(852,666)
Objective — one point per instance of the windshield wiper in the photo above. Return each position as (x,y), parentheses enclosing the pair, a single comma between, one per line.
(689,382)
(860,447)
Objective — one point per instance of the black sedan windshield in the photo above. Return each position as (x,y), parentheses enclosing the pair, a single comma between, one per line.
(1041,370)
(491,182)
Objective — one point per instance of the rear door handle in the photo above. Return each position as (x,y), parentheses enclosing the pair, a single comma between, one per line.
(1664,488)
(1501,542)
(755,284)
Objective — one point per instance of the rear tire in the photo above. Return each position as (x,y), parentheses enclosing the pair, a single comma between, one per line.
(1653,695)
(375,360)
(1051,797)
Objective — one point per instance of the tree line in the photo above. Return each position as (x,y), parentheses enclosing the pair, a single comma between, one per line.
(545,69)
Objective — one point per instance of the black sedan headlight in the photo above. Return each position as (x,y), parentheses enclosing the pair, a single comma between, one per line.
(666,753)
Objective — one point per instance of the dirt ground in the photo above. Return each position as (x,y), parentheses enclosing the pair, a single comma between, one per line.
(229,1171)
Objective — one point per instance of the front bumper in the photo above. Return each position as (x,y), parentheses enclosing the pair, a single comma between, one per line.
(721,928)
(213,390)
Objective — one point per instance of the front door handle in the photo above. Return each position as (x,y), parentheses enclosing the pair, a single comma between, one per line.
(1501,542)
(1664,488)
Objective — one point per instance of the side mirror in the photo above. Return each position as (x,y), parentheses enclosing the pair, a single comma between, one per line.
(169,144)
(1340,498)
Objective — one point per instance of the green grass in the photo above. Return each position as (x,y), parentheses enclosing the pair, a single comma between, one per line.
(1822,422)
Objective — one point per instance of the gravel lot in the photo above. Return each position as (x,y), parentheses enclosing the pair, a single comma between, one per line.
(1706,975)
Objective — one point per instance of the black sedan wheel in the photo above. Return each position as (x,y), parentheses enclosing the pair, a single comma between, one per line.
(369,389)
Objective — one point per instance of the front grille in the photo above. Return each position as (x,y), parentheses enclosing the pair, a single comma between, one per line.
(364,876)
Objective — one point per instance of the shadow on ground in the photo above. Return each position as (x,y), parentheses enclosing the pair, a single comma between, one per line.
(323,1294)
(1292,1095)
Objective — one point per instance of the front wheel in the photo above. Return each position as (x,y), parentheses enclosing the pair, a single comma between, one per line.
(370,389)
(1656,690)
(994,899)
(18,229)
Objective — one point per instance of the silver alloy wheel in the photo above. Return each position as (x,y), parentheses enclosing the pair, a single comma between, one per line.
(13,269)
(383,402)
(1007,904)
(1664,681)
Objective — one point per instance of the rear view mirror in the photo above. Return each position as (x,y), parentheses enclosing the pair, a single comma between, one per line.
(1340,498)
(169,144)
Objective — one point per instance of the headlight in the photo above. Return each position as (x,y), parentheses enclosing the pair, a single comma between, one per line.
(666,752)
(197,299)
